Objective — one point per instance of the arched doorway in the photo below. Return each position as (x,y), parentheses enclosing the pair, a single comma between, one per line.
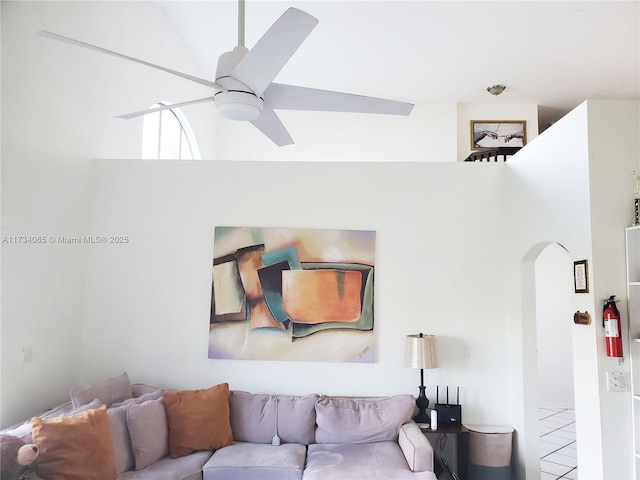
(548,359)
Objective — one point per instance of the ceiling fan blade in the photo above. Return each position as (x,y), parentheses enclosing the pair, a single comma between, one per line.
(79,43)
(290,97)
(270,124)
(267,57)
(139,113)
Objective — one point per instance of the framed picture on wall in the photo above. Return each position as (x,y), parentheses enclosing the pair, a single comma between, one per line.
(581,276)
(498,133)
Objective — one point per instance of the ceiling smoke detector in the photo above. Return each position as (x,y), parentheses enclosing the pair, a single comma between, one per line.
(496,89)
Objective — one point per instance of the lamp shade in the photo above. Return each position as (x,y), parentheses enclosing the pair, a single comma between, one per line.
(420,351)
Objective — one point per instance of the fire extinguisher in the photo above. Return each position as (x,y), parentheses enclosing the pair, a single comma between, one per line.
(612,328)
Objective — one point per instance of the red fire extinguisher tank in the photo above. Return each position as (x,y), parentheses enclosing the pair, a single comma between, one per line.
(612,327)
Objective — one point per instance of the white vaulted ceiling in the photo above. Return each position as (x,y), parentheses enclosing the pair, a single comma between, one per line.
(548,53)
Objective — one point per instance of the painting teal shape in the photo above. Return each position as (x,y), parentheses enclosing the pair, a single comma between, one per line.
(289,255)
(364,323)
(271,283)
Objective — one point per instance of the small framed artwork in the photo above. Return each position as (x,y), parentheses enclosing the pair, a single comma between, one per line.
(580,277)
(498,133)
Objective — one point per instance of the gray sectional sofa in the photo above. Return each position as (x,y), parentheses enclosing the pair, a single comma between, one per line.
(322,438)
(279,437)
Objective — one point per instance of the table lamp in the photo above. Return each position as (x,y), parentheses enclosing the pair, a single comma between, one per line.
(420,352)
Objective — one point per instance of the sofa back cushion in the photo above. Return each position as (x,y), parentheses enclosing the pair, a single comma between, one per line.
(139,389)
(362,419)
(253,417)
(142,398)
(108,391)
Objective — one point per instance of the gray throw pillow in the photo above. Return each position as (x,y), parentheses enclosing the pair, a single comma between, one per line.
(148,432)
(120,439)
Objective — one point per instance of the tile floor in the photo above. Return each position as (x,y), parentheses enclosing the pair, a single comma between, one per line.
(558,443)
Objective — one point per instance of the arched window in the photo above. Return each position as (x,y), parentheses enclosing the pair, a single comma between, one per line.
(167,135)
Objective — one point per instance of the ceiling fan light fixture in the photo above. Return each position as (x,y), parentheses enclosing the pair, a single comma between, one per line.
(238,105)
(496,89)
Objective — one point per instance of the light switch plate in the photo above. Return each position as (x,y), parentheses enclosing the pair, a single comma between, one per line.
(616,382)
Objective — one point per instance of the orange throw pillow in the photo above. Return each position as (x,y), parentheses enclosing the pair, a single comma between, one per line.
(198,420)
(77,447)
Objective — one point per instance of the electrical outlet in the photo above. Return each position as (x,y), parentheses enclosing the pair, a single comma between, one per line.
(616,382)
(468,350)
(26,354)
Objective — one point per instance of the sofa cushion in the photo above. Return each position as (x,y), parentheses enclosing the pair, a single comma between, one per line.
(373,461)
(183,468)
(252,417)
(362,419)
(244,461)
(77,447)
(148,431)
(114,389)
(198,419)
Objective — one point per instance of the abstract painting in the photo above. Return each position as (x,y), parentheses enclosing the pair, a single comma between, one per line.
(292,294)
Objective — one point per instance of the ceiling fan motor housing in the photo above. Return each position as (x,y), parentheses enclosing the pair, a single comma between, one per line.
(228,61)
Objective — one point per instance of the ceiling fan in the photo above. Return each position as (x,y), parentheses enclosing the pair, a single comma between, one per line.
(244,80)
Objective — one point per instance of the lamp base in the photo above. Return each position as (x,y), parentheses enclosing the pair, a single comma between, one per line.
(422,402)
(422,417)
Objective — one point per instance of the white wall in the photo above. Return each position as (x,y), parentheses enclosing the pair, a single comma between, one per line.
(58,104)
(428,134)
(142,307)
(149,300)
(610,164)
(554,286)
(556,187)
(433,132)
(57,113)
(474,245)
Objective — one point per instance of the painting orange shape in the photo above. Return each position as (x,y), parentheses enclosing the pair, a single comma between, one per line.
(318,296)
(249,259)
